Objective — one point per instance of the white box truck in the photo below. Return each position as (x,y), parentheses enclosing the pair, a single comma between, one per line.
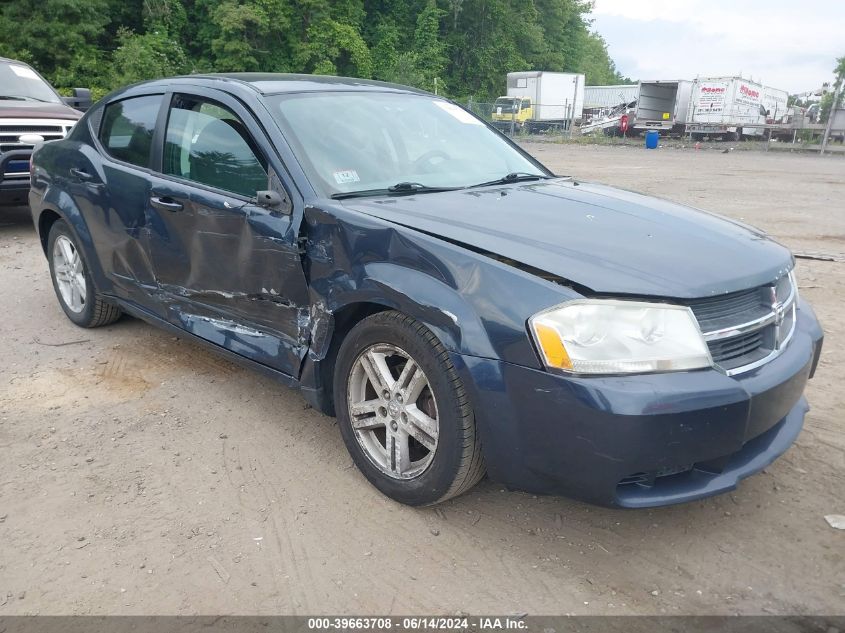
(729,107)
(539,100)
(662,105)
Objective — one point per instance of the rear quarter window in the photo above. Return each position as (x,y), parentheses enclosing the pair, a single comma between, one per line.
(126,131)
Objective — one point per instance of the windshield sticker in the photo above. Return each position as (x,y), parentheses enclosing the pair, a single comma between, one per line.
(459,113)
(23,71)
(345,176)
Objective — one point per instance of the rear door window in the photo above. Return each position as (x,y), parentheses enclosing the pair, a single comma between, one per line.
(207,143)
(127,128)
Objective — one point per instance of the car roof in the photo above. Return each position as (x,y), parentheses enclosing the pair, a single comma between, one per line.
(279,83)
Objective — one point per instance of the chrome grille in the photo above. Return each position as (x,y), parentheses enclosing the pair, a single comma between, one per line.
(29,129)
(10,132)
(715,313)
(737,350)
(745,329)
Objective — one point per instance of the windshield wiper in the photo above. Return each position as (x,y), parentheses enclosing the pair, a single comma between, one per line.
(22,98)
(512,177)
(400,188)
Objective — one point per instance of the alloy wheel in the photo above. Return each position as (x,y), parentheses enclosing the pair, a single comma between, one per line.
(393,411)
(70,275)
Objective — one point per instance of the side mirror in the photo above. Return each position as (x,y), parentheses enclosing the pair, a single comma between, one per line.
(274,201)
(81,99)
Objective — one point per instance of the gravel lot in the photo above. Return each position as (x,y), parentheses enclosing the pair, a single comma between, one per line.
(142,474)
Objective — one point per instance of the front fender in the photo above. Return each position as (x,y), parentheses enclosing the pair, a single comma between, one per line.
(429,300)
(476,304)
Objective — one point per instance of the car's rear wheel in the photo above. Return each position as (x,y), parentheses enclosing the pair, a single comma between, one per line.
(72,281)
(403,411)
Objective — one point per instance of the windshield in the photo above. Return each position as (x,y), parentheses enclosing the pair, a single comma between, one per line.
(361,141)
(19,82)
(506,105)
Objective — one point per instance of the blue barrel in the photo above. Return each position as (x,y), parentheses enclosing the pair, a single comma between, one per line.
(652,137)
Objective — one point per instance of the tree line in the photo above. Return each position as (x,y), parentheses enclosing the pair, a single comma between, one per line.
(465,46)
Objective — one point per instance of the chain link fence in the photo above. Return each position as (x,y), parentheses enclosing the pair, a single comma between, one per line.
(516,118)
(519,118)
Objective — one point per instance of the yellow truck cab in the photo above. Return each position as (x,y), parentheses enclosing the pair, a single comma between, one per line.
(516,109)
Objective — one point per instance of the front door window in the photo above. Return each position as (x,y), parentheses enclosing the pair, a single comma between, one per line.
(208,144)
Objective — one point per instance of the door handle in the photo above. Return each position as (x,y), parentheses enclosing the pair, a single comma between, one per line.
(165,203)
(81,174)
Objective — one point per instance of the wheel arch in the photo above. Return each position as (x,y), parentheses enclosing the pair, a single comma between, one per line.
(57,205)
(46,219)
(440,308)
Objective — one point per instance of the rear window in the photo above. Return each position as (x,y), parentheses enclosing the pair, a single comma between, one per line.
(127,128)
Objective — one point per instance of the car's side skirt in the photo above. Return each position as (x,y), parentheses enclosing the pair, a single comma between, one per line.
(140,313)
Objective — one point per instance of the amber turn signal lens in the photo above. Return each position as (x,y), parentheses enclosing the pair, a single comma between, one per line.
(552,347)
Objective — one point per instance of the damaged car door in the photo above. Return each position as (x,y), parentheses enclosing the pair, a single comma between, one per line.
(229,269)
(112,191)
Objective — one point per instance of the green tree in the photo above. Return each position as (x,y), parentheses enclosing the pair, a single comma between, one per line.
(336,48)
(241,31)
(385,51)
(147,56)
(595,63)
(492,38)
(429,48)
(826,104)
(469,46)
(58,37)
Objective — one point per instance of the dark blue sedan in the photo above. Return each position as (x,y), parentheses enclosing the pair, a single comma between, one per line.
(459,308)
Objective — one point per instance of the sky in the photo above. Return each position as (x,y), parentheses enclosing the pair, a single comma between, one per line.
(791,45)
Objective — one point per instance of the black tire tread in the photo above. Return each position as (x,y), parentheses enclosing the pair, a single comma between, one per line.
(471,468)
(104,313)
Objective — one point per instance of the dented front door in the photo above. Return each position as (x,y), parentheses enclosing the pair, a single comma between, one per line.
(228,270)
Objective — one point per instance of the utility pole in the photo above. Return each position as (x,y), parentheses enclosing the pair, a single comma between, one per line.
(840,79)
(832,114)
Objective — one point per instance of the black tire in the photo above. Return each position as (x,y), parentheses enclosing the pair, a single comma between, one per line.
(95,312)
(457,464)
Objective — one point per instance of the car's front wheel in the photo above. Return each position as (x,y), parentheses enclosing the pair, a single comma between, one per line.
(403,411)
(72,281)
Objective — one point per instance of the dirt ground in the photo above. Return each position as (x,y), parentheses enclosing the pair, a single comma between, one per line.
(141,474)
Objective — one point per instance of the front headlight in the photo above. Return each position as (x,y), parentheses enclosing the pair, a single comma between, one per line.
(600,336)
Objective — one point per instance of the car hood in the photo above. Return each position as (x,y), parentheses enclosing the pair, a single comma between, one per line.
(609,240)
(36,110)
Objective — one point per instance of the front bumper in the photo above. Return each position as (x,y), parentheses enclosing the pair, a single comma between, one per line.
(14,176)
(645,440)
